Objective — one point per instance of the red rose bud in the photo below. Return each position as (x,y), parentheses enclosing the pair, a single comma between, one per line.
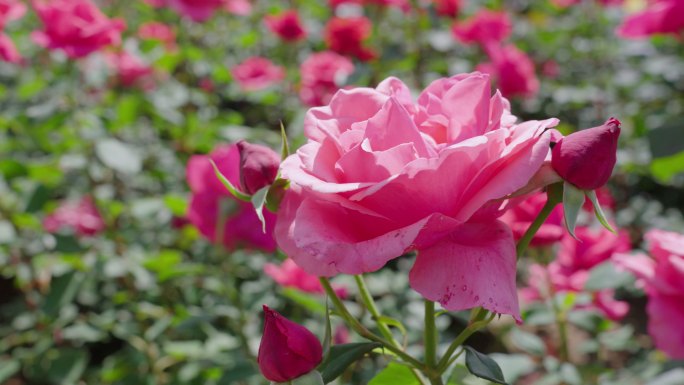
(258,166)
(288,350)
(586,158)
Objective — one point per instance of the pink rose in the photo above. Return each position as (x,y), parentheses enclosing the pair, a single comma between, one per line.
(77,27)
(286,25)
(404,5)
(525,210)
(81,217)
(382,175)
(347,36)
(257,73)
(196,10)
(238,7)
(210,202)
(662,275)
(447,8)
(8,52)
(322,74)
(568,3)
(513,70)
(158,31)
(11,10)
(288,274)
(130,70)
(483,28)
(660,17)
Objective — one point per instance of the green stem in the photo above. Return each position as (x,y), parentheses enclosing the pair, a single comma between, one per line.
(479,322)
(364,332)
(431,342)
(368,301)
(561,321)
(553,198)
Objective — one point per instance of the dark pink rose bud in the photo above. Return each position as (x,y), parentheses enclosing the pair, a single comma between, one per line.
(258,166)
(586,158)
(288,350)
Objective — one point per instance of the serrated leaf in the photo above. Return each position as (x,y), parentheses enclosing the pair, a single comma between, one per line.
(598,211)
(341,356)
(229,186)
(481,365)
(394,374)
(258,201)
(573,199)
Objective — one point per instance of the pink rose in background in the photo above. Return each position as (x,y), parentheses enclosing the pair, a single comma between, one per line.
(257,73)
(210,201)
(347,36)
(570,272)
(8,52)
(485,27)
(238,7)
(525,210)
(288,274)
(81,217)
(196,10)
(130,69)
(662,275)
(321,75)
(158,31)
(371,184)
(447,8)
(404,5)
(11,10)
(512,69)
(77,27)
(286,25)
(660,17)
(568,3)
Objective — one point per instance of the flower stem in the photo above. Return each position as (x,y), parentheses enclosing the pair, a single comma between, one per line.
(554,196)
(368,301)
(481,320)
(430,334)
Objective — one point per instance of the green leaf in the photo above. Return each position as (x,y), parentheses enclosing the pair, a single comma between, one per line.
(341,356)
(229,186)
(528,342)
(481,365)
(304,300)
(258,201)
(664,169)
(276,193)
(67,244)
(598,211)
(39,197)
(11,168)
(394,374)
(395,323)
(607,276)
(573,199)
(119,156)
(8,368)
(62,292)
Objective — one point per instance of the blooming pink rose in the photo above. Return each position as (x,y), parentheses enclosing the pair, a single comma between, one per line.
(210,201)
(257,73)
(288,274)
(447,8)
(130,69)
(662,275)
(660,17)
(347,36)
(286,25)
(404,5)
(8,52)
(513,70)
(158,31)
(485,27)
(77,27)
(321,75)
(196,10)
(525,210)
(10,10)
(81,217)
(371,184)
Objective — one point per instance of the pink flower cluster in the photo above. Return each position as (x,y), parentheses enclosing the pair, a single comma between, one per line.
(202,10)
(661,273)
(382,174)
(81,217)
(660,17)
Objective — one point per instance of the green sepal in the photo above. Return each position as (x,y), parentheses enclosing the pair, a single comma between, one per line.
(598,211)
(229,186)
(258,201)
(573,200)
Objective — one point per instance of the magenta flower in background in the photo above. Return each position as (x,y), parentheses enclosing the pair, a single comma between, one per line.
(76,27)
(258,166)
(661,17)
(130,70)
(158,31)
(382,175)
(287,350)
(321,75)
(485,27)
(512,69)
(404,5)
(662,276)
(238,7)
(81,217)
(8,51)
(210,201)
(11,10)
(568,3)
(347,36)
(286,25)
(257,73)
(447,8)
(524,211)
(196,10)
(288,274)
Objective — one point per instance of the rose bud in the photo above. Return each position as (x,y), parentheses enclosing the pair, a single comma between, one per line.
(586,158)
(287,350)
(258,166)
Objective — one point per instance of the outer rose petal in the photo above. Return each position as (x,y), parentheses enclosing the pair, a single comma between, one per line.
(474,266)
(666,317)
